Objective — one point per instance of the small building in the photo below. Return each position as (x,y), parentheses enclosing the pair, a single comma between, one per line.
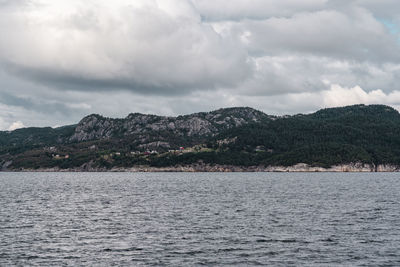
(260,149)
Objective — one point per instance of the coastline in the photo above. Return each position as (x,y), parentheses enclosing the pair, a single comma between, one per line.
(301,167)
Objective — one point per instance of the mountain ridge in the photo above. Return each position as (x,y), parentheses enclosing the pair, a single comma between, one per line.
(368,134)
(203,123)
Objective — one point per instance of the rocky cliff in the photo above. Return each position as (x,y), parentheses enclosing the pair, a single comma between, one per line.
(203,124)
(301,167)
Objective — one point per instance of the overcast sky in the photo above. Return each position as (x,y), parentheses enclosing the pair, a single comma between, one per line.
(63,59)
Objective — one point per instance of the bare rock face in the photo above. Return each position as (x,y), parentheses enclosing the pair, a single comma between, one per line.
(199,124)
(155,145)
(93,127)
(195,126)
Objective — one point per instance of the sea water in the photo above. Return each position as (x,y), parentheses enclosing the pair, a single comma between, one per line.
(189,219)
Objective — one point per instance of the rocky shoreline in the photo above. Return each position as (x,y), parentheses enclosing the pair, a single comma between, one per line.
(301,167)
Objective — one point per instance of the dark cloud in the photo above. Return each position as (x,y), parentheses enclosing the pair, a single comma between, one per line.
(65,80)
(40,106)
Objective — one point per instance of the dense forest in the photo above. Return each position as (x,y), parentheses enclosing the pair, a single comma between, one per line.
(353,134)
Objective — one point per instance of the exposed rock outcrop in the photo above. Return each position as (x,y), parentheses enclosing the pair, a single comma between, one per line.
(198,124)
(354,167)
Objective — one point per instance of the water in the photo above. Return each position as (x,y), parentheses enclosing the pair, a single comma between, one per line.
(182,219)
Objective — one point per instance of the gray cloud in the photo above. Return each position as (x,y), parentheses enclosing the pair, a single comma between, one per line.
(14,3)
(217,10)
(61,60)
(147,48)
(389,9)
(302,73)
(329,33)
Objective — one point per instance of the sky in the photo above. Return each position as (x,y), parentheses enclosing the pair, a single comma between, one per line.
(61,60)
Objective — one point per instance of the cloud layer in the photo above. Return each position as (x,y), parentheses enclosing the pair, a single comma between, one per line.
(61,60)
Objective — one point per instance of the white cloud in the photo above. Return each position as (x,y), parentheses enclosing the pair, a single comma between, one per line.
(336,96)
(147,46)
(16,125)
(340,96)
(62,60)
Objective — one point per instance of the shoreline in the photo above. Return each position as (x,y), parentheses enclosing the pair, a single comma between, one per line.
(301,167)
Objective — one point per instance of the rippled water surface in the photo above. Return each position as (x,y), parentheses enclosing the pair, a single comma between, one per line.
(186,219)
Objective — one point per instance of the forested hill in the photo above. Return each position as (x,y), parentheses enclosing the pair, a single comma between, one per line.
(368,134)
(234,136)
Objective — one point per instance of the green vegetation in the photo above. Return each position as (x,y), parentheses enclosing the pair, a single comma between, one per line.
(365,134)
